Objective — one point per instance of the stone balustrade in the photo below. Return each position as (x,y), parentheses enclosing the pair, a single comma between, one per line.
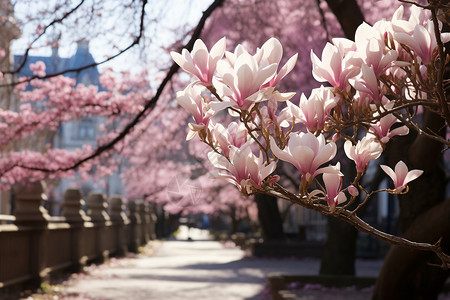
(34,245)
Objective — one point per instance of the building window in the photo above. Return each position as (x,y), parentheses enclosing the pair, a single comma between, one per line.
(86,129)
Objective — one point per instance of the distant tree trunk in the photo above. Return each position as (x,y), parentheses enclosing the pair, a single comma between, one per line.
(338,256)
(340,248)
(269,217)
(348,14)
(234,221)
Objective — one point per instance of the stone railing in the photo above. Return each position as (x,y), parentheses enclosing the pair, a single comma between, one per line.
(33,244)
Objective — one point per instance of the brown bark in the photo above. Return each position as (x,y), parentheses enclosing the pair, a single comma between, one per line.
(269,217)
(348,14)
(338,256)
(406,273)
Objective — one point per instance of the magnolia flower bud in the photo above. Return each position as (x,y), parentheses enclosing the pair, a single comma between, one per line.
(353,190)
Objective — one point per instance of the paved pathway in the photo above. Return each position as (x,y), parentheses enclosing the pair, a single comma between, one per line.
(199,269)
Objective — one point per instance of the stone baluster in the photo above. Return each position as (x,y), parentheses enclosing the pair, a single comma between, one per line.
(32,219)
(76,217)
(135,226)
(145,220)
(29,210)
(116,210)
(73,202)
(119,220)
(97,208)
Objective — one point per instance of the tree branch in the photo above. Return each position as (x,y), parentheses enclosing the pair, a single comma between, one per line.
(150,103)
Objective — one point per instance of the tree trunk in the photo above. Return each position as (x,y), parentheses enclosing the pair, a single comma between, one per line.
(348,14)
(338,256)
(269,217)
(234,221)
(424,217)
(406,273)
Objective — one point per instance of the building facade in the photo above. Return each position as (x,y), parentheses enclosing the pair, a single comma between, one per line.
(74,134)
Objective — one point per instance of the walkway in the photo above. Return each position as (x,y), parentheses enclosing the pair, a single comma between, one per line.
(200,269)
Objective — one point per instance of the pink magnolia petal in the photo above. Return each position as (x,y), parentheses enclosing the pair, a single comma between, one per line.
(401,170)
(218,50)
(413,174)
(302,158)
(283,155)
(390,173)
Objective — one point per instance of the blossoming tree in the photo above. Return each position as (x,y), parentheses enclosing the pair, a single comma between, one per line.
(392,72)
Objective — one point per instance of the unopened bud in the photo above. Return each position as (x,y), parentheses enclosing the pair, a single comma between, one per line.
(335,137)
(353,190)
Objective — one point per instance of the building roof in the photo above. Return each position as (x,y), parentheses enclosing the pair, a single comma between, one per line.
(55,64)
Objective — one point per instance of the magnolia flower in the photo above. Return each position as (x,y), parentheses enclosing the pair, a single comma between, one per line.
(372,52)
(306,152)
(272,52)
(334,66)
(199,62)
(418,16)
(246,170)
(333,186)
(192,101)
(401,176)
(382,129)
(367,84)
(422,41)
(241,79)
(235,134)
(314,111)
(366,150)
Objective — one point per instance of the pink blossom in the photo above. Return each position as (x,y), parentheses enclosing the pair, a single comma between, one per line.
(241,79)
(367,84)
(333,186)
(335,67)
(199,62)
(401,176)
(192,101)
(272,52)
(382,128)
(352,190)
(235,134)
(246,169)
(373,53)
(422,41)
(366,150)
(38,68)
(306,152)
(314,111)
